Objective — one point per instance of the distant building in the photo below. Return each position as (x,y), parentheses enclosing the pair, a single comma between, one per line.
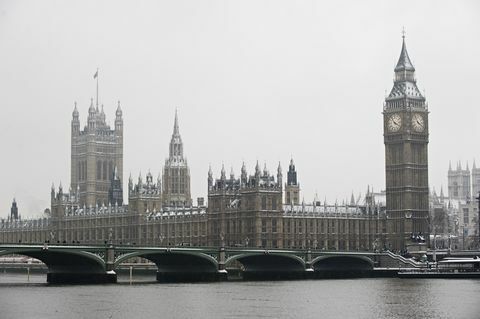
(405,115)
(459,186)
(248,211)
(292,188)
(96,151)
(176,174)
(115,192)
(14,210)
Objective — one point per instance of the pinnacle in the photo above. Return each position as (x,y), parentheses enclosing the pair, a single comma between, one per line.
(404,63)
(176,130)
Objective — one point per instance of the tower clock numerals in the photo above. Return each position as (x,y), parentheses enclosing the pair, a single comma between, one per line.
(418,124)
(394,123)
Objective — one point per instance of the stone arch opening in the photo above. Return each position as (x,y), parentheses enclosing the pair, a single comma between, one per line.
(342,266)
(68,266)
(179,266)
(267,266)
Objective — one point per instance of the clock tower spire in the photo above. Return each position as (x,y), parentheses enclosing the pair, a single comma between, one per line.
(405,115)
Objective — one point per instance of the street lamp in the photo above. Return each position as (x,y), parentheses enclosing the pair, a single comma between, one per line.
(161,237)
(478,218)
(110,234)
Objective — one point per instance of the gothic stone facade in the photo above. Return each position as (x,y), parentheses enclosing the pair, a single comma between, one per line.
(176,174)
(406,156)
(249,211)
(96,151)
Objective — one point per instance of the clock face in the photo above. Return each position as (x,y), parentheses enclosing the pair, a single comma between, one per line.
(418,124)
(394,123)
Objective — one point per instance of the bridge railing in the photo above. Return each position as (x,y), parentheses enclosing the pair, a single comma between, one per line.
(405,260)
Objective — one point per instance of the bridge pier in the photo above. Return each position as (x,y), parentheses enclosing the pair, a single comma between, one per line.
(82,278)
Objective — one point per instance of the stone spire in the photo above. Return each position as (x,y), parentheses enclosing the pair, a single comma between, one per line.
(404,63)
(279,175)
(75,111)
(243,175)
(291,174)
(404,83)
(257,169)
(222,173)
(176,145)
(210,177)
(176,131)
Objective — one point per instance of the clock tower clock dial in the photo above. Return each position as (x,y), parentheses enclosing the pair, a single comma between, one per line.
(405,116)
(418,124)
(394,123)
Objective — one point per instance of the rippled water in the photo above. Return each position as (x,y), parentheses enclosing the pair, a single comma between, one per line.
(349,298)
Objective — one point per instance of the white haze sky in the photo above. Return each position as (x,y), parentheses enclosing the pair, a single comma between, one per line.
(251,80)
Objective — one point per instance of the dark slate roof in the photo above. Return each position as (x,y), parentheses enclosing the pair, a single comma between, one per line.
(404,89)
(404,63)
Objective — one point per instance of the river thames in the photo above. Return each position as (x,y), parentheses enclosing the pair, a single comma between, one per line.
(348,298)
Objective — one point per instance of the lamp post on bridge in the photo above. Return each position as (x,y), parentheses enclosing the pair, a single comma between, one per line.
(221,254)
(478,219)
(110,235)
(161,237)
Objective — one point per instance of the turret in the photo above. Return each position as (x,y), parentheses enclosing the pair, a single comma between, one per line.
(292,174)
(118,120)
(14,211)
(210,177)
(91,117)
(102,116)
(159,183)
(223,176)
(279,175)
(75,121)
(243,175)
(130,183)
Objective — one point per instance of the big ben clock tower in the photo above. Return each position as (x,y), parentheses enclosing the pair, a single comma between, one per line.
(405,118)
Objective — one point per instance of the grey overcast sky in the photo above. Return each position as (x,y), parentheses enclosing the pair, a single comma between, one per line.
(252,80)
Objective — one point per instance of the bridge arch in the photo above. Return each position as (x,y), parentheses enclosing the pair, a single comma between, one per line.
(174,258)
(178,265)
(342,263)
(62,260)
(269,265)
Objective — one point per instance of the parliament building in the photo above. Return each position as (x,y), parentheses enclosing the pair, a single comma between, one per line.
(256,209)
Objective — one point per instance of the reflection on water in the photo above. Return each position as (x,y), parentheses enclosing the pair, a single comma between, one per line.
(349,298)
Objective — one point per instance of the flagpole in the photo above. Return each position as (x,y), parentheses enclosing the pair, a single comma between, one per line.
(97,87)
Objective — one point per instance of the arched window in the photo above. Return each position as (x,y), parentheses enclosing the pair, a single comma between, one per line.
(110,169)
(99,170)
(105,170)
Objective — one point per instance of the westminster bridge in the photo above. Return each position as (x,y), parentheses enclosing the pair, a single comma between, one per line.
(97,264)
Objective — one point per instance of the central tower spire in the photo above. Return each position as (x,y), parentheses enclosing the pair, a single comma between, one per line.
(176,145)
(176,174)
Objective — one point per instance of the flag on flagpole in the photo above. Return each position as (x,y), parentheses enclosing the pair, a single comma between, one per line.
(95,75)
